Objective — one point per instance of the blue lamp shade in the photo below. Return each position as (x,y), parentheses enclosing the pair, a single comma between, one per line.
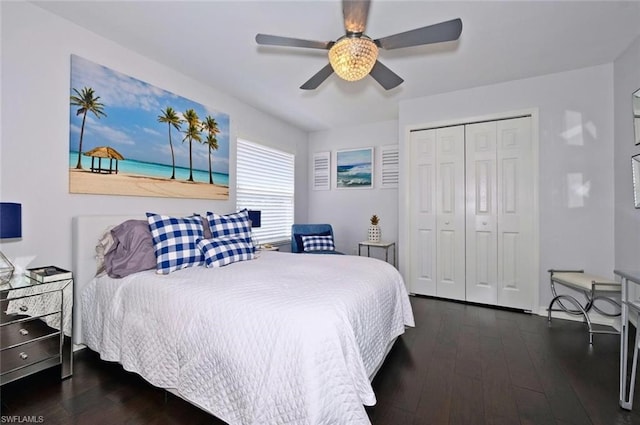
(254,217)
(10,220)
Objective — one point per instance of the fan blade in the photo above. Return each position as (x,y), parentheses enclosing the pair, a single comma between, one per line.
(275,40)
(318,79)
(386,77)
(437,33)
(355,14)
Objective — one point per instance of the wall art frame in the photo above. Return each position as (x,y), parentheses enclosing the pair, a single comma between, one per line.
(128,137)
(354,168)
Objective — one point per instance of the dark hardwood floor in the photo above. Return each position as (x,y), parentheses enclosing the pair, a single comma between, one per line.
(462,364)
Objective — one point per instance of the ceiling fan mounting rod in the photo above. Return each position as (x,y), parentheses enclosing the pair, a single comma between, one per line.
(354,35)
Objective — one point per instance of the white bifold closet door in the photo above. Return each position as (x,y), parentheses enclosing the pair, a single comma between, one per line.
(438,212)
(499,225)
(472,213)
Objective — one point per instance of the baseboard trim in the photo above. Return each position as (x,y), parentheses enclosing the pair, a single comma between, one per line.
(595,317)
(495,307)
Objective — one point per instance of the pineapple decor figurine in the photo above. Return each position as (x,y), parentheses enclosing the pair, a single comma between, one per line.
(374,229)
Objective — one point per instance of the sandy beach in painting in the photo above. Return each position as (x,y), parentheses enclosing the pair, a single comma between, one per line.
(84,181)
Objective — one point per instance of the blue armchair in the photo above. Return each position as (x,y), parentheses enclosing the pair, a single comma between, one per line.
(297,230)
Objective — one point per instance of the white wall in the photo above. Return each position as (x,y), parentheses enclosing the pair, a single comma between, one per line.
(349,210)
(575,137)
(36,49)
(627,218)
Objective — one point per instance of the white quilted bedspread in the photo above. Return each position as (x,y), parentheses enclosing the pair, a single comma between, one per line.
(283,339)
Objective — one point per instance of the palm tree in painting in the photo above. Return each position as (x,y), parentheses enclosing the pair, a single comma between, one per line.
(211,127)
(191,133)
(87,101)
(170,116)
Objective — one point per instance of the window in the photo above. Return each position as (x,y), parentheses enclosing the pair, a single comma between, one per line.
(265,182)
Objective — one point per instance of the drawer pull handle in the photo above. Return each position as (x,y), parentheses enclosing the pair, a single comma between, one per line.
(23,332)
(24,308)
(24,356)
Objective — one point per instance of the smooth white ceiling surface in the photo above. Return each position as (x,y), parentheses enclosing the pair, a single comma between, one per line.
(214,42)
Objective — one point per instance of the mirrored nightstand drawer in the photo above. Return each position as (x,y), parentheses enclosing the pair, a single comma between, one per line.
(33,306)
(24,331)
(30,353)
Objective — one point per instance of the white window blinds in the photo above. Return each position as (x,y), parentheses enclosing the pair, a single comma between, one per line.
(265,182)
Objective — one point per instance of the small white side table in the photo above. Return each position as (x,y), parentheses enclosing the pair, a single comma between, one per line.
(383,245)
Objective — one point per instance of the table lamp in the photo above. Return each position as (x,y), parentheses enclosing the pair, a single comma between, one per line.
(10,228)
(255,218)
(254,221)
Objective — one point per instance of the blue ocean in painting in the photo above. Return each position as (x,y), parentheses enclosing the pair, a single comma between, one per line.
(150,169)
(354,175)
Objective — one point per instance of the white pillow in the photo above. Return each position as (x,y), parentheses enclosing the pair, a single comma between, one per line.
(104,245)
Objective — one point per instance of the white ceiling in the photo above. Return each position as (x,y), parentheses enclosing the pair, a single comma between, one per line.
(213,42)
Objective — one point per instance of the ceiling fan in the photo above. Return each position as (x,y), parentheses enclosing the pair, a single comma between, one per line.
(355,55)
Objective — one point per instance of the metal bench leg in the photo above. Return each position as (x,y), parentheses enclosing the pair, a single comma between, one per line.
(610,301)
(580,310)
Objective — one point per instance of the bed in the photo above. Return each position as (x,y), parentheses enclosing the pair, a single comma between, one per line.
(280,339)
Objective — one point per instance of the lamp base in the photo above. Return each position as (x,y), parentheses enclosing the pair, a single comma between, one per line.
(6,269)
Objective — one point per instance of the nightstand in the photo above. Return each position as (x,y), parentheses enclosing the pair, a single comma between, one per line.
(35,327)
(383,245)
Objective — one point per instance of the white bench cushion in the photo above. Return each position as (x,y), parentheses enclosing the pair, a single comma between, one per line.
(585,280)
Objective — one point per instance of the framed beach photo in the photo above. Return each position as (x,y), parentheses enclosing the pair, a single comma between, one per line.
(354,168)
(128,137)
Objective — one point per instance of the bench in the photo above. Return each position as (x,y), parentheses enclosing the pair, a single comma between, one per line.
(593,287)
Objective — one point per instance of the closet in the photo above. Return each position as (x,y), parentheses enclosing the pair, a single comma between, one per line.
(471,213)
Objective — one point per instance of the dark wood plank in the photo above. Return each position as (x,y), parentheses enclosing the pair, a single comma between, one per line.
(521,368)
(467,407)
(533,407)
(561,396)
(499,401)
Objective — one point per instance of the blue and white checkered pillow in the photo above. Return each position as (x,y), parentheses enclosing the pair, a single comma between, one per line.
(222,251)
(175,242)
(318,243)
(236,225)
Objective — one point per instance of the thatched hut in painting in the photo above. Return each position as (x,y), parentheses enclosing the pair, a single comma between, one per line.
(105,152)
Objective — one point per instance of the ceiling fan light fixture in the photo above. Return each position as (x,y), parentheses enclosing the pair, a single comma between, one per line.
(352,58)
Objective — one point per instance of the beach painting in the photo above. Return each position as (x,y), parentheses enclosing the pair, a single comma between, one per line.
(128,137)
(354,168)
